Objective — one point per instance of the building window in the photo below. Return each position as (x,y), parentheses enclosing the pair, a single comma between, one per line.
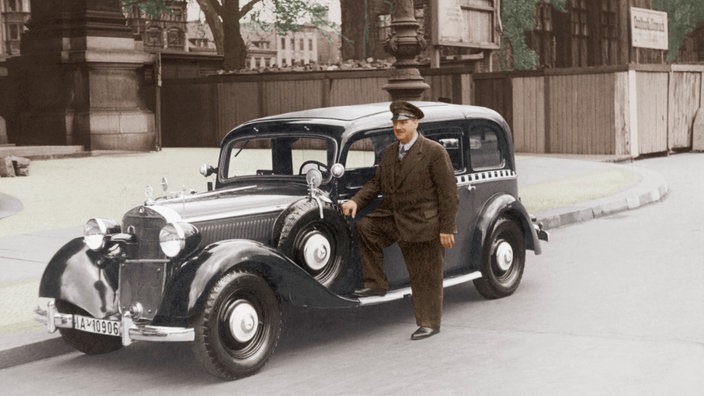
(174,38)
(14,5)
(13,31)
(542,37)
(608,22)
(153,37)
(302,45)
(579,26)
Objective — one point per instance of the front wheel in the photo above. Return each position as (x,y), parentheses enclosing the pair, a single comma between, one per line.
(88,343)
(239,326)
(503,260)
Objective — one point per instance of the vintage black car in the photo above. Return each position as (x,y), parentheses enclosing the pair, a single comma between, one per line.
(213,268)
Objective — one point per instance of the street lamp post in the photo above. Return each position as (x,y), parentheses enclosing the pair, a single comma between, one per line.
(405,44)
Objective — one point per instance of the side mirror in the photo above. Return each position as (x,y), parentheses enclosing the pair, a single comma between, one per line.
(207,170)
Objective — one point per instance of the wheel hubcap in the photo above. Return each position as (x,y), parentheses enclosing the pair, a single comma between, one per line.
(504,256)
(316,251)
(244,321)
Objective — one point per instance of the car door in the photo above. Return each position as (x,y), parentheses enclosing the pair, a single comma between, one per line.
(490,172)
(453,137)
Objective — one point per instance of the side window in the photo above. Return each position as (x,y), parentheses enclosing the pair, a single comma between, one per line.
(362,156)
(450,138)
(485,148)
(365,151)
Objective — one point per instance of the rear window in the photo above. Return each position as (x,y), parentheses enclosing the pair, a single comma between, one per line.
(485,148)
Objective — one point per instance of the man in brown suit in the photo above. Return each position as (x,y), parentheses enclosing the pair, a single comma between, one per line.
(418,211)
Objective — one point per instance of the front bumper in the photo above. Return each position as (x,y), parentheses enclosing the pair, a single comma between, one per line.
(129,331)
(540,232)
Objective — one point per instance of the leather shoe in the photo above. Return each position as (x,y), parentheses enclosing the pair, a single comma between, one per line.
(424,332)
(369,292)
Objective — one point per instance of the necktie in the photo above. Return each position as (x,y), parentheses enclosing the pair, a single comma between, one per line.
(402,152)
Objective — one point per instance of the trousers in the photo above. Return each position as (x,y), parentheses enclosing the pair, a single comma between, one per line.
(424,262)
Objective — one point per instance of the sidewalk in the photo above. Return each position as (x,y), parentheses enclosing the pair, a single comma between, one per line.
(557,190)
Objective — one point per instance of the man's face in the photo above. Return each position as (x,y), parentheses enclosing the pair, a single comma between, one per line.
(405,130)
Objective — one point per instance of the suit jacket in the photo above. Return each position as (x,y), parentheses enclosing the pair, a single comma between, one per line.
(420,191)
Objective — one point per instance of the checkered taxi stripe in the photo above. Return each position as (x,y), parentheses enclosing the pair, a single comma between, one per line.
(493,175)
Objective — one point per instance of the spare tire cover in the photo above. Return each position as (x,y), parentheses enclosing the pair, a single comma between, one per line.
(322,247)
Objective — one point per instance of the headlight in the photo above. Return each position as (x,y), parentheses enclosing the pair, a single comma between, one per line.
(95,231)
(175,238)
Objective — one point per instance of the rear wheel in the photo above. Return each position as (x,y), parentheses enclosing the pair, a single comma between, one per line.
(503,260)
(88,343)
(239,326)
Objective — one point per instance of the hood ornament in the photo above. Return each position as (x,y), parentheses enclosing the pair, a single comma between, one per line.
(149,194)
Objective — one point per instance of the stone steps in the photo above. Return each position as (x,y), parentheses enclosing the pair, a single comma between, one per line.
(42,152)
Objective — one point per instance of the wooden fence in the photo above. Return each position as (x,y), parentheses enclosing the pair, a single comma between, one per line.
(200,111)
(629,110)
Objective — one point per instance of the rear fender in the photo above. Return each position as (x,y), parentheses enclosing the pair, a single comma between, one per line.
(197,276)
(73,276)
(503,205)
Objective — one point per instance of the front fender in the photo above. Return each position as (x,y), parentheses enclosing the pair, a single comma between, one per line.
(503,205)
(72,276)
(188,291)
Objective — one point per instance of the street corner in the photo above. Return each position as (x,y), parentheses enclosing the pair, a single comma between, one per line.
(9,205)
(594,193)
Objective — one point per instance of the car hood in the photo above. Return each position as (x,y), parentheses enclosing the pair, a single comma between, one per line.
(215,205)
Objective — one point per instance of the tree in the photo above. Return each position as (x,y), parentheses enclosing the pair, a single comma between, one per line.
(518,17)
(683,16)
(224,16)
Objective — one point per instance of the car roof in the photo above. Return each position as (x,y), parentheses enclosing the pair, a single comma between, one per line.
(376,115)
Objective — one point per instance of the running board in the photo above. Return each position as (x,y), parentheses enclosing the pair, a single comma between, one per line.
(406,291)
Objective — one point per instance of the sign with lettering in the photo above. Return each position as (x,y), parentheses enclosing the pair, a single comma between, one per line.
(648,28)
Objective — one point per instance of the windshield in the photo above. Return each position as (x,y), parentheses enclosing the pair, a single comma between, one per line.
(279,155)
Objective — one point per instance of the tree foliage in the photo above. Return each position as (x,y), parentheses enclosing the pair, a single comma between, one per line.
(683,16)
(518,17)
(224,17)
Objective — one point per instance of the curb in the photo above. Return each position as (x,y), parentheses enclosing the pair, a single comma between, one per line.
(34,351)
(650,189)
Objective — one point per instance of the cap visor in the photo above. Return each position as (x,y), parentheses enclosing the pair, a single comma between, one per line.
(401,117)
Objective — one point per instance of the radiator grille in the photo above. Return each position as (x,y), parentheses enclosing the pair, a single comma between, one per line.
(145,227)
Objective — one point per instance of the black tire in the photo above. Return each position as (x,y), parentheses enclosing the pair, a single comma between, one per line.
(88,343)
(239,326)
(322,247)
(503,260)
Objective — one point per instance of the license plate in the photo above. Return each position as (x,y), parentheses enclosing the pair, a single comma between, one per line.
(97,326)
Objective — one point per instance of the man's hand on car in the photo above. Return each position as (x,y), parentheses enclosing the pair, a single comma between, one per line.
(349,208)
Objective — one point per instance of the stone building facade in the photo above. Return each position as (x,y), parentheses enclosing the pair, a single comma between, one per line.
(13,16)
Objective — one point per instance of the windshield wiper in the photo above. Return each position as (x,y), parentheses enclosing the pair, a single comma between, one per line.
(245,143)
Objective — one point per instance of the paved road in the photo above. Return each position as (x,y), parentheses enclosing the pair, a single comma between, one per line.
(613,306)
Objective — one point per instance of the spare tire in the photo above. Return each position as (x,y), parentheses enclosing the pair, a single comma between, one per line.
(322,247)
